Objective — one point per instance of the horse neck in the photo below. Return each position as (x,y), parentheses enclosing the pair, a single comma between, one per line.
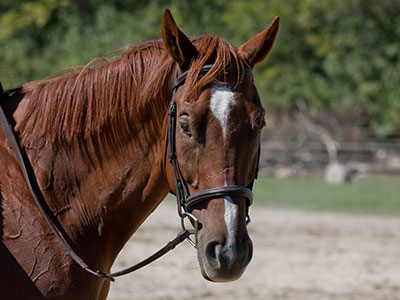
(115,199)
(102,202)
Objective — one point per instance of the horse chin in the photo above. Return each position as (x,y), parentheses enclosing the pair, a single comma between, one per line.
(213,276)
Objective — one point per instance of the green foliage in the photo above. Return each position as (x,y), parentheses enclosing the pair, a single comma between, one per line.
(336,55)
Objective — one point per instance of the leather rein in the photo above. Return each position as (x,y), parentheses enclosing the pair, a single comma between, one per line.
(185,201)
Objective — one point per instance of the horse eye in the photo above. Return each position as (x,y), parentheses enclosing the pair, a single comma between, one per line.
(185,126)
(260,124)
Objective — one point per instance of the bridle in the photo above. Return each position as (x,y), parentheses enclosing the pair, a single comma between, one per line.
(185,201)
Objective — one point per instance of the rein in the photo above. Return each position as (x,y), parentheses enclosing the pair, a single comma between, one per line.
(185,201)
(52,221)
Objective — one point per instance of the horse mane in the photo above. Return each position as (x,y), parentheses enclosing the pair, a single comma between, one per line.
(105,104)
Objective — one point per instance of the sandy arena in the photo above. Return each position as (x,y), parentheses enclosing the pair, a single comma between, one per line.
(297,255)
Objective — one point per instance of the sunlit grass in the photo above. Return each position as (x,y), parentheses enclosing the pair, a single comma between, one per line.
(370,195)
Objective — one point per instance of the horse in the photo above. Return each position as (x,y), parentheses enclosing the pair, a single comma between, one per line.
(96,141)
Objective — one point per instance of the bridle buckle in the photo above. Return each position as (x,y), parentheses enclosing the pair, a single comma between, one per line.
(191,231)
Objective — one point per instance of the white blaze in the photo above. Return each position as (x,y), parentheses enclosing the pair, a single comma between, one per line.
(221,102)
(230,216)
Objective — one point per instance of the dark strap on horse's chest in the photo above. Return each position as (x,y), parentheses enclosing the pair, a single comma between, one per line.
(54,224)
(33,185)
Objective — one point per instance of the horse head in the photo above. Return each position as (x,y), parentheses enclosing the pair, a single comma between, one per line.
(216,143)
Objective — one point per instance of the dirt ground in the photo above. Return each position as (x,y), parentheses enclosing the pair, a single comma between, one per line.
(297,255)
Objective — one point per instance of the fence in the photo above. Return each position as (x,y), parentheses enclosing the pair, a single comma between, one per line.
(307,157)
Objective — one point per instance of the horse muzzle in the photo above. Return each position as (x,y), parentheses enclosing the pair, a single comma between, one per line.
(223,260)
(224,248)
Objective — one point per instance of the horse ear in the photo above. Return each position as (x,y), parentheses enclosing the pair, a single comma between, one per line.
(258,47)
(176,42)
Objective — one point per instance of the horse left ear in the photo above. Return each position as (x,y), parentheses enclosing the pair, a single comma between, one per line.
(258,47)
(176,42)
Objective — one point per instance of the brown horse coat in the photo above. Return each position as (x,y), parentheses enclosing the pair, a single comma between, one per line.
(95,140)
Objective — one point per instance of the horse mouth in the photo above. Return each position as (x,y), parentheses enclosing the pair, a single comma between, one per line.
(222,263)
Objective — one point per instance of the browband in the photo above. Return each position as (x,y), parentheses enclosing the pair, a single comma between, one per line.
(178,81)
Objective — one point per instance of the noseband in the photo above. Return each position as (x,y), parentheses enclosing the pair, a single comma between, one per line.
(185,201)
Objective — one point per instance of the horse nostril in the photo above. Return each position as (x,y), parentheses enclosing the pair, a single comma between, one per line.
(224,261)
(213,252)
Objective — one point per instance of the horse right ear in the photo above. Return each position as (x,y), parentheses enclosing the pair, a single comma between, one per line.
(258,47)
(176,42)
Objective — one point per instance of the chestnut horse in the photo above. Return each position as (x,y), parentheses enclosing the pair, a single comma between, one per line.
(96,140)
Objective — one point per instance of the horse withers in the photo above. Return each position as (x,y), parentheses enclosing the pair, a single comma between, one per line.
(96,140)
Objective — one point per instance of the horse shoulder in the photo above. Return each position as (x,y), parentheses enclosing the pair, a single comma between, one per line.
(34,265)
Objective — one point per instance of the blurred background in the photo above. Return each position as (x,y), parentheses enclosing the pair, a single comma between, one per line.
(331,89)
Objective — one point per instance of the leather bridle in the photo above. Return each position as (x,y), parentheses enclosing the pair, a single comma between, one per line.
(185,201)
